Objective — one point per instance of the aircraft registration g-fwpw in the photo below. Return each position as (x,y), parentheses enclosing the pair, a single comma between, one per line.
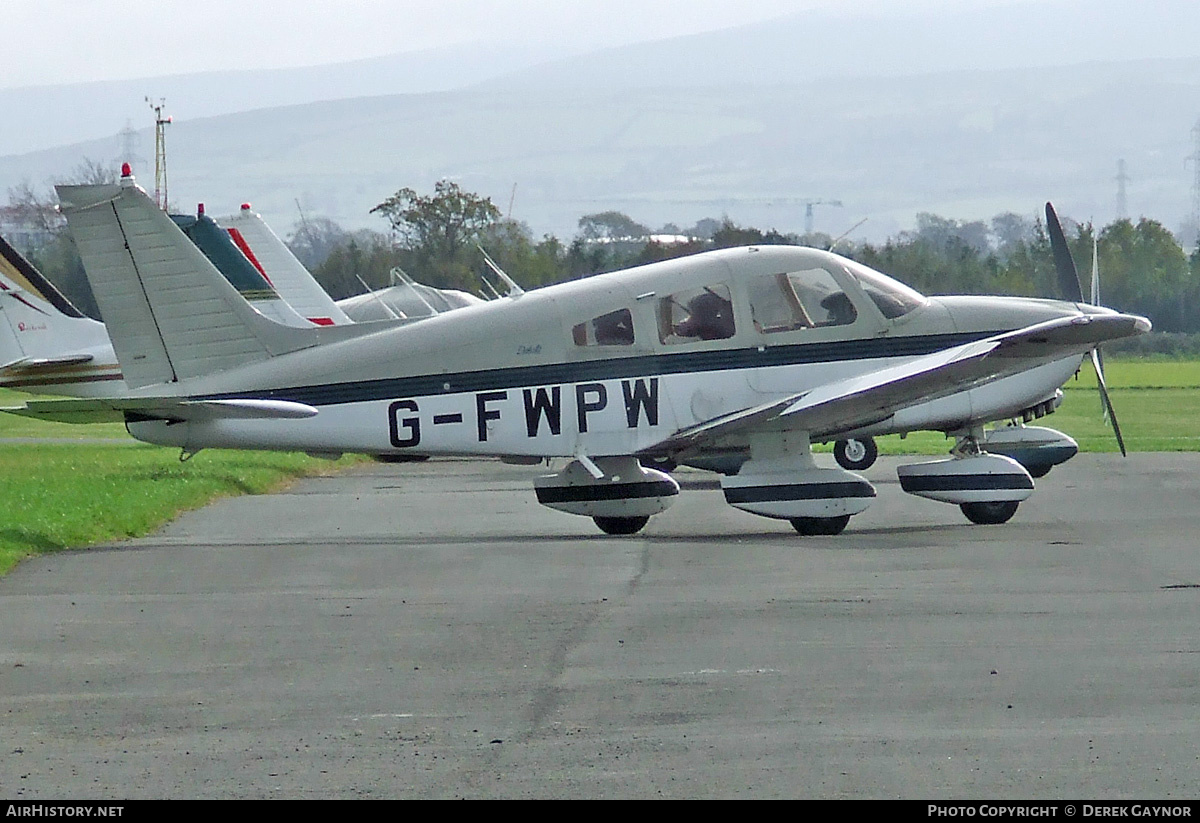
(736,360)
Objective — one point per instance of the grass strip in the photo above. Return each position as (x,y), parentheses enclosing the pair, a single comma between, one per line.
(61,496)
(66,486)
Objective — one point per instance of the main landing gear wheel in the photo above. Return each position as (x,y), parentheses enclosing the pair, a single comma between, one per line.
(856,455)
(621,525)
(989,514)
(400,458)
(820,525)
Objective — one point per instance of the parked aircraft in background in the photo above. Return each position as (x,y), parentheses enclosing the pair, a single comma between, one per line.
(271,256)
(737,358)
(405,299)
(47,346)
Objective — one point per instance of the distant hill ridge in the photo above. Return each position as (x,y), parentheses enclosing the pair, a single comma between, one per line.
(746,122)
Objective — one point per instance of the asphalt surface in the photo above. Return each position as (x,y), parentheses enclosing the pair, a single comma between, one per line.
(429,631)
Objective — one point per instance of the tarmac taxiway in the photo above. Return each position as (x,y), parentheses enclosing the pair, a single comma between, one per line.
(429,631)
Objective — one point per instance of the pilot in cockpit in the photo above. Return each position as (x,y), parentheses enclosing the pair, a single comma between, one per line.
(841,310)
(710,317)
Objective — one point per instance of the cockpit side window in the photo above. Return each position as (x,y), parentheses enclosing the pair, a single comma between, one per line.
(612,329)
(696,314)
(799,300)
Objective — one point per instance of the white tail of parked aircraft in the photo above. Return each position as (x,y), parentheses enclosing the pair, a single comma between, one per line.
(45,342)
(406,300)
(281,268)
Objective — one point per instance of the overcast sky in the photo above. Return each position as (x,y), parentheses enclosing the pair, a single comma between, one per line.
(67,41)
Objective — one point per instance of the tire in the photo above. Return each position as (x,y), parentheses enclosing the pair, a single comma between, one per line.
(856,454)
(388,457)
(989,514)
(811,526)
(621,525)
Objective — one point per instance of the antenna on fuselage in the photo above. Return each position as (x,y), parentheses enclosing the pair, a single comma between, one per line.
(494,295)
(846,233)
(375,294)
(513,289)
(400,274)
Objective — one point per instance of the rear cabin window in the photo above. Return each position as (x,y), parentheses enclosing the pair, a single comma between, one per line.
(696,314)
(794,300)
(612,329)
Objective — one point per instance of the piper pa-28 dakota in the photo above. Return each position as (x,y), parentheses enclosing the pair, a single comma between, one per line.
(735,360)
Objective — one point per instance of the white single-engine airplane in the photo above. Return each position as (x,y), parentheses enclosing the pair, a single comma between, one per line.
(737,358)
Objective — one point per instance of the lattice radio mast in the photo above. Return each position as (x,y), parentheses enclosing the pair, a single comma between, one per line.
(130,145)
(160,152)
(1122,179)
(1195,158)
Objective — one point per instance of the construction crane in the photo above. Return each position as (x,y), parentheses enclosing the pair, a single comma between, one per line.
(808,211)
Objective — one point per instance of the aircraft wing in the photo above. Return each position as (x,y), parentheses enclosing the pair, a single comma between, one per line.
(845,405)
(171,409)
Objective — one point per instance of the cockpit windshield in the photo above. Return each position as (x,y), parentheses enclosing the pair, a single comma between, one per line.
(893,298)
(803,299)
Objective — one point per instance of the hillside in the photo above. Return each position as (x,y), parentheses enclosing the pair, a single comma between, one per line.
(746,123)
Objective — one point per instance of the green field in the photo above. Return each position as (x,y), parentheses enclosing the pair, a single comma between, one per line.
(69,486)
(105,486)
(1157,403)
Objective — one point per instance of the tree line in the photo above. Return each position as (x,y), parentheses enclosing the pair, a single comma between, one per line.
(436,238)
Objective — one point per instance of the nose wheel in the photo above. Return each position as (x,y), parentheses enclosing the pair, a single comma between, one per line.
(810,526)
(620,525)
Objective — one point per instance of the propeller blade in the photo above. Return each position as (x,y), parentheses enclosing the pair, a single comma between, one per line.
(1112,415)
(1068,277)
(1095,271)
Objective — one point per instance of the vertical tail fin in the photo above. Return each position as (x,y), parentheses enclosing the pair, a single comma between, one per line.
(282,269)
(46,344)
(170,313)
(21,275)
(238,268)
(40,323)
